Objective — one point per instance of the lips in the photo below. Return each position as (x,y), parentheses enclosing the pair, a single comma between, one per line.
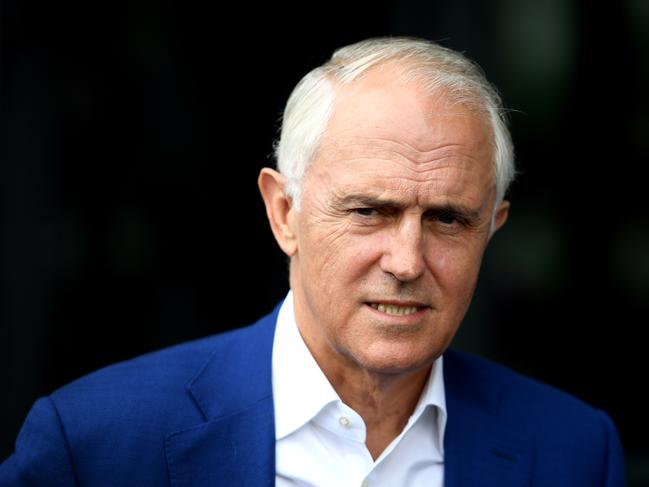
(397,309)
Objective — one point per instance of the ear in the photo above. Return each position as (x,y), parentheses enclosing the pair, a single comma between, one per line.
(502,212)
(279,209)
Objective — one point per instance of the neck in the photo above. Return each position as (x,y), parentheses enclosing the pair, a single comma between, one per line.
(384,401)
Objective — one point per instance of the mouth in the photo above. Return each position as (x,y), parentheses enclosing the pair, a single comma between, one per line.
(401,309)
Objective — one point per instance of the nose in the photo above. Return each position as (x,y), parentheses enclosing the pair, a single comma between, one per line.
(403,256)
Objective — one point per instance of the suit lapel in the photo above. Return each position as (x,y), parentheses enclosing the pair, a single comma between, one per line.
(237,450)
(236,444)
(480,448)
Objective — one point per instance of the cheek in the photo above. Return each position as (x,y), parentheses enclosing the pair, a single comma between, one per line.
(343,262)
(331,249)
(455,268)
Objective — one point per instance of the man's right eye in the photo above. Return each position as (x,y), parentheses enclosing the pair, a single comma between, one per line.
(365,211)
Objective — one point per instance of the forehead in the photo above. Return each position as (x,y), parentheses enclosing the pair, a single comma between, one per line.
(385,100)
(390,135)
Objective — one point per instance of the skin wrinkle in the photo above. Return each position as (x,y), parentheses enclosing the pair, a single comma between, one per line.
(418,164)
(372,141)
(418,158)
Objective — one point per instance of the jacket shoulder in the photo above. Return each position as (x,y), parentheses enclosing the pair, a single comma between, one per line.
(517,391)
(571,439)
(110,427)
(153,384)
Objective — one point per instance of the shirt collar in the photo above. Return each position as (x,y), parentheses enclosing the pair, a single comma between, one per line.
(301,390)
(434,396)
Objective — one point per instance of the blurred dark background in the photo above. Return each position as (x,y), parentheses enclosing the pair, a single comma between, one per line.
(132,133)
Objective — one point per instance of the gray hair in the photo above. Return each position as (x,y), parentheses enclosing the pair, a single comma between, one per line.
(310,104)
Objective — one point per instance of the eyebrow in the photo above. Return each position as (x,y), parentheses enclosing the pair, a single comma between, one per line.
(368,201)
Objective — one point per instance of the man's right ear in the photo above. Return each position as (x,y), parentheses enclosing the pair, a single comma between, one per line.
(279,209)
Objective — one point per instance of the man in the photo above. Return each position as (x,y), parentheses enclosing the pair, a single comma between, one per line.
(393,162)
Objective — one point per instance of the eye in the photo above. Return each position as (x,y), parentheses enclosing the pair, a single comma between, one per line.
(447,218)
(365,211)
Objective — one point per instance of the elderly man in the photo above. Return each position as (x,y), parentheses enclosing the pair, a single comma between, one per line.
(393,161)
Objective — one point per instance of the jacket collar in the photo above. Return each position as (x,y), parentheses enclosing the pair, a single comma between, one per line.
(236,444)
(480,447)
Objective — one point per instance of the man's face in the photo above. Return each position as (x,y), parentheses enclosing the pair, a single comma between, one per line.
(395,217)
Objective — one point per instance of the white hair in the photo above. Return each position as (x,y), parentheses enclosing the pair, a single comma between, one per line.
(438,68)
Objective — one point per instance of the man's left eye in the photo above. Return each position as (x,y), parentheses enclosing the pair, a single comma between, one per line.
(447,219)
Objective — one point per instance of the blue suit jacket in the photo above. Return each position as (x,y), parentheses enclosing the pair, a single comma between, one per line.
(201,414)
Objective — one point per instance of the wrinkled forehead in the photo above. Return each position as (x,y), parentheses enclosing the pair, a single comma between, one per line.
(397,137)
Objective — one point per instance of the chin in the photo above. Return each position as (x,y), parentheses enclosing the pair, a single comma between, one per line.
(396,363)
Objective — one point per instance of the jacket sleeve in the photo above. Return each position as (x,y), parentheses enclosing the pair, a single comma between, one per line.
(615,476)
(42,456)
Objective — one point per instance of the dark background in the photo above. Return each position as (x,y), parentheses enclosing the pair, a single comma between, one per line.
(132,133)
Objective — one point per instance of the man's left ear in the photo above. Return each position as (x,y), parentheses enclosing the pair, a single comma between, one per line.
(502,212)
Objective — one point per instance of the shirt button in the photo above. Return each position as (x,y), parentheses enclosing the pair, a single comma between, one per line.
(344,421)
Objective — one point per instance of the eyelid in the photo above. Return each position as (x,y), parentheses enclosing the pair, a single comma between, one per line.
(443,212)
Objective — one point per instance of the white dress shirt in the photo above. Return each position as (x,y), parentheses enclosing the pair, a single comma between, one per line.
(320,441)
